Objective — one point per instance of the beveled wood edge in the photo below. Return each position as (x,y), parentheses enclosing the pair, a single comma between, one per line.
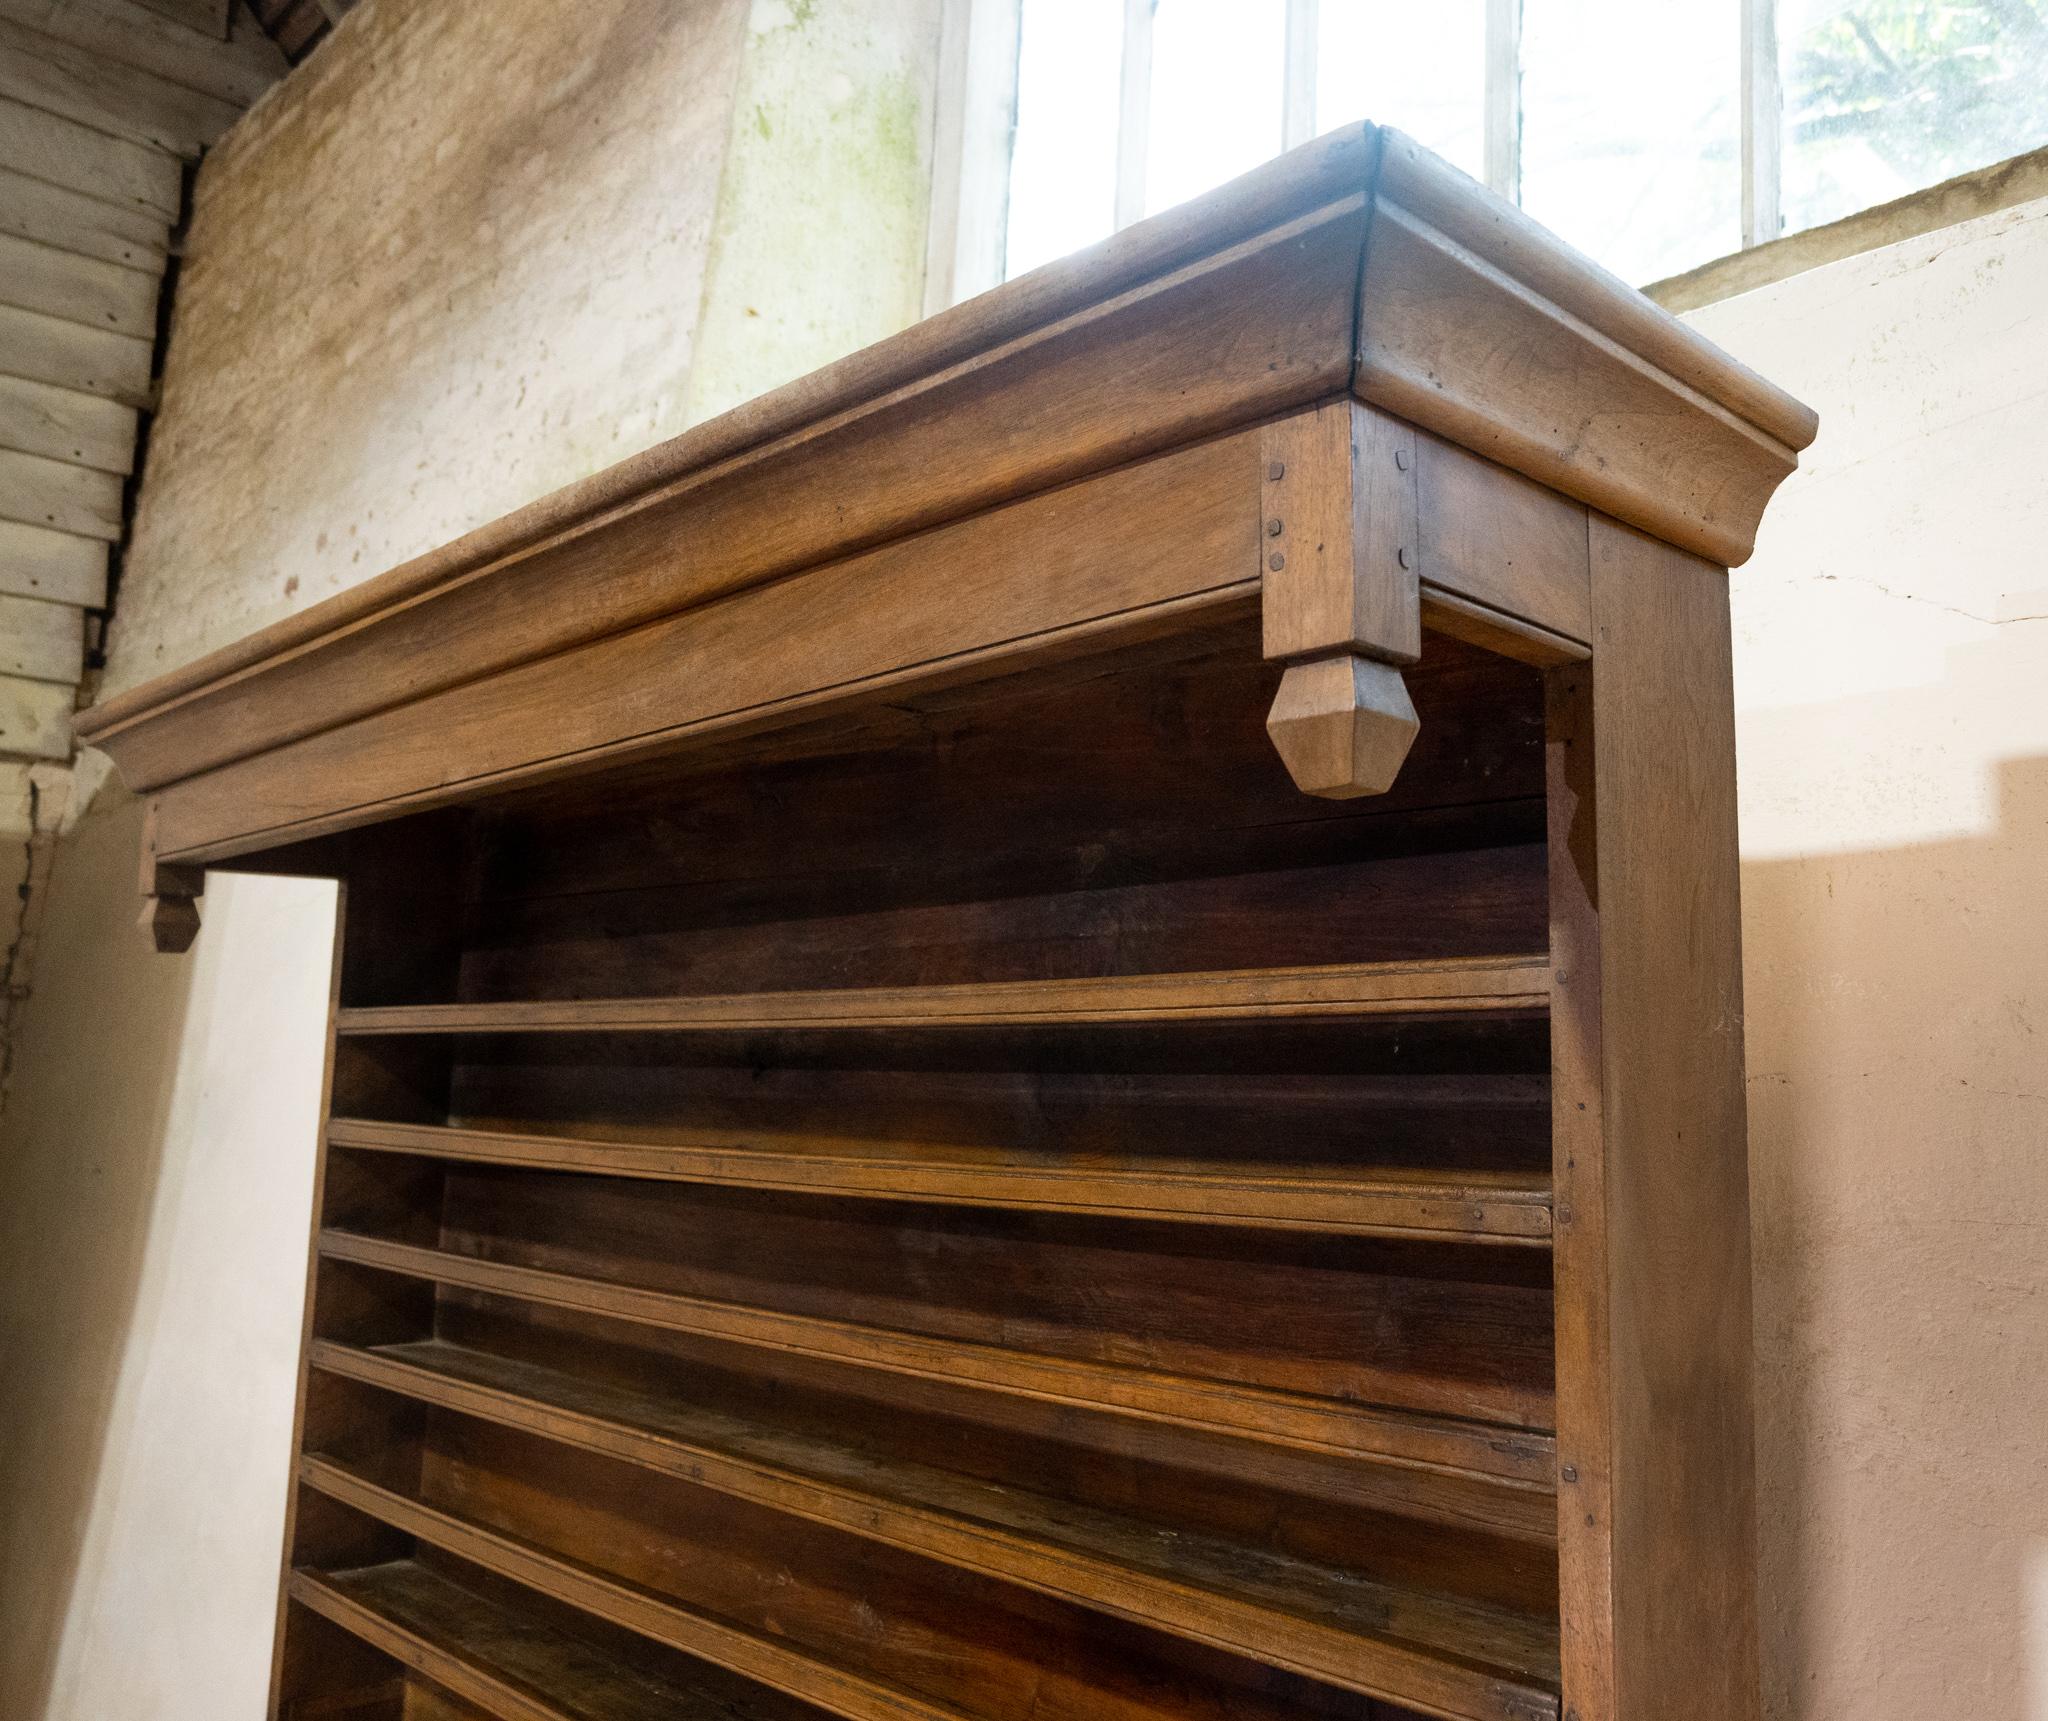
(1506,236)
(1500,1454)
(1360,1204)
(1221,603)
(1381,1663)
(765,1660)
(1477,983)
(468,1677)
(1701,382)
(1503,565)
(1341,164)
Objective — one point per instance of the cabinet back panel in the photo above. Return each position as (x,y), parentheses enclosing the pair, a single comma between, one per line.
(1415,1326)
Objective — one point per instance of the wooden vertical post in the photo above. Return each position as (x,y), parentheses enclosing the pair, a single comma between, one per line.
(1656,1496)
(1342,600)
(170,895)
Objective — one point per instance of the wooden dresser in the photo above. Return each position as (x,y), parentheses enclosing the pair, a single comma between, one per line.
(1049,1027)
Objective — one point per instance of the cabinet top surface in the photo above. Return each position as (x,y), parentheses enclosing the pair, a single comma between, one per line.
(1359,264)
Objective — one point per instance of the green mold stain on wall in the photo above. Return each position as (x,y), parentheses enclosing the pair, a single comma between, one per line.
(818,244)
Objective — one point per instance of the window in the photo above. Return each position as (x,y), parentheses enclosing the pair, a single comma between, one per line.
(1063,163)
(1218,84)
(1885,96)
(1419,68)
(1653,136)
(1632,129)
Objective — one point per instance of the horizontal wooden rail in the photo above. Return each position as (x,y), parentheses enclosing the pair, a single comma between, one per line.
(1442,1444)
(761,1659)
(1377,1638)
(505,1662)
(1484,1207)
(1343,989)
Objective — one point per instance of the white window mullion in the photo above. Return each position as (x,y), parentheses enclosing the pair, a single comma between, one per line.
(974,129)
(1504,98)
(1134,112)
(1298,110)
(1763,104)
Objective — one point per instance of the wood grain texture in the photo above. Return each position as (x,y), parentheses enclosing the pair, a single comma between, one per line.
(1155,532)
(1491,537)
(1478,325)
(1030,325)
(70,355)
(61,424)
(235,68)
(830,1688)
(43,71)
(1393,988)
(1239,307)
(80,289)
(115,171)
(510,1664)
(1673,1142)
(1431,1443)
(1101,386)
(114,232)
(1341,536)
(35,718)
(1376,1639)
(59,496)
(1500,1206)
(42,641)
(56,566)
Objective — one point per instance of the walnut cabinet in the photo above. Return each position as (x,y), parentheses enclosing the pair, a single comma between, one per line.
(1049,1027)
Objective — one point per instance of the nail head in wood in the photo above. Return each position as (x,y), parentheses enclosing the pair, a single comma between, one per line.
(1342,725)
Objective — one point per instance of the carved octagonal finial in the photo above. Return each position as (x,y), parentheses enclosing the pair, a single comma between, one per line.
(1342,725)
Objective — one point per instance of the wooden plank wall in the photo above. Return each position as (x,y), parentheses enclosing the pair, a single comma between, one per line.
(103,104)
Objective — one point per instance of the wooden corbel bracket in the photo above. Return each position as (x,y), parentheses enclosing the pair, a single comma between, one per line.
(1341,600)
(170,895)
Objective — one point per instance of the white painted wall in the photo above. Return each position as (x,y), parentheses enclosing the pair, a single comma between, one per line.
(1891,670)
(157,1194)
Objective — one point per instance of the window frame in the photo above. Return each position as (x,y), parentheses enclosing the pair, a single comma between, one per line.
(976,115)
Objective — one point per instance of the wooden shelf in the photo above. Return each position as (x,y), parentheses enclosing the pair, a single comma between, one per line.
(503,1660)
(1478,1206)
(1425,1650)
(1343,989)
(1433,1443)
(760,1659)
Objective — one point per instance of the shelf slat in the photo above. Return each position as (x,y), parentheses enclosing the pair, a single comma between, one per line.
(505,1663)
(1376,1638)
(1343,989)
(760,1659)
(1442,1444)
(1491,1207)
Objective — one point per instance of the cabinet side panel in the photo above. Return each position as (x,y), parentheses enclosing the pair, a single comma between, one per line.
(1585,1409)
(1677,1179)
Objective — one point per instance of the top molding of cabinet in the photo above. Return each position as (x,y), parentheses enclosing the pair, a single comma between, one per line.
(1358,264)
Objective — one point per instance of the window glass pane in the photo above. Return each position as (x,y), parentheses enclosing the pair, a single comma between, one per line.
(1420,68)
(1063,167)
(1885,96)
(1218,83)
(1631,129)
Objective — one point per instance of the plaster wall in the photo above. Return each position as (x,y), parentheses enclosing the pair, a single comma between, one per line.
(1891,684)
(471,251)
(1892,665)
